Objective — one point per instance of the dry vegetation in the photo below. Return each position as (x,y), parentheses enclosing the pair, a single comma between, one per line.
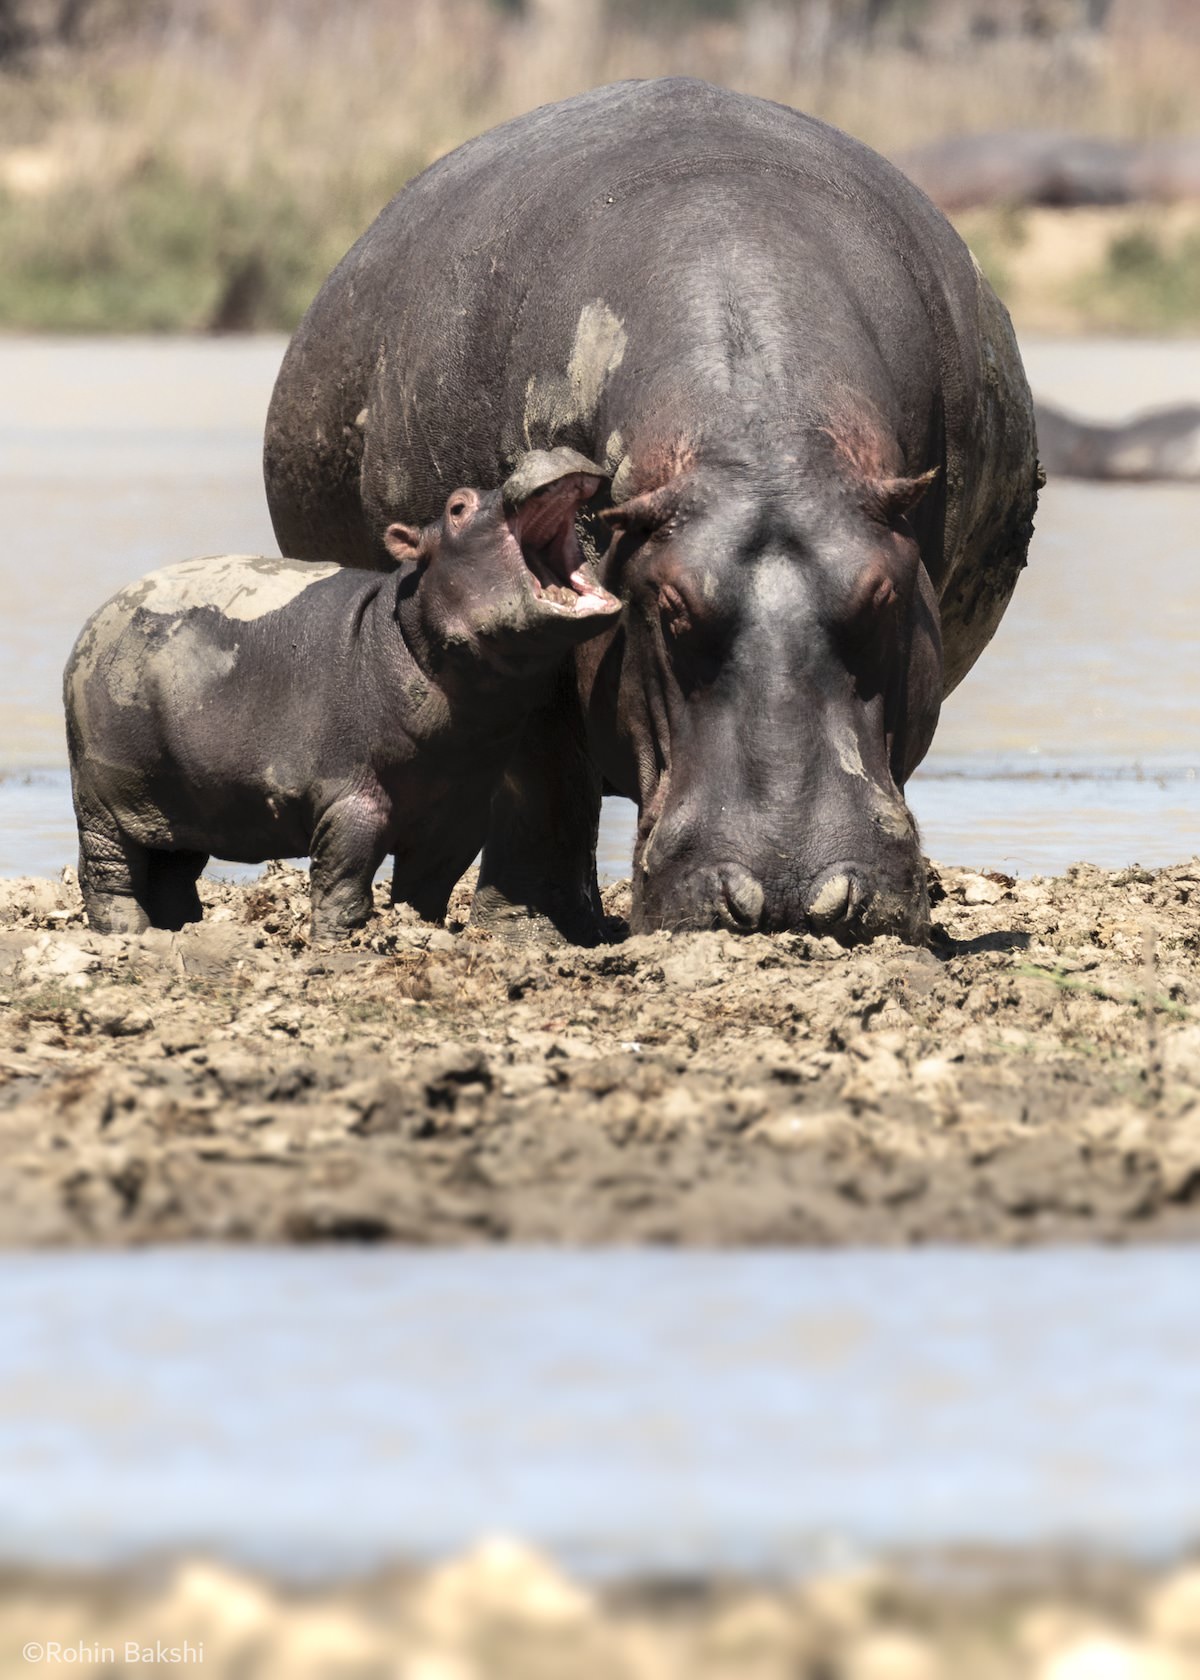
(181,164)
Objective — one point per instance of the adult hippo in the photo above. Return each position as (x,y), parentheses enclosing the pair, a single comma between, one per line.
(1163,443)
(824,479)
(1033,167)
(1026,166)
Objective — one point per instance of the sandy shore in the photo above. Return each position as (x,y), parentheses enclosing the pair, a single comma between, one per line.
(1032,1076)
(503,1612)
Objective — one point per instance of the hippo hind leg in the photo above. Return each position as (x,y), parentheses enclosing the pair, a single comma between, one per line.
(113,878)
(171,895)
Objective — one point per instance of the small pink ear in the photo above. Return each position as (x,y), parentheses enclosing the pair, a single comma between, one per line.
(901,495)
(403,542)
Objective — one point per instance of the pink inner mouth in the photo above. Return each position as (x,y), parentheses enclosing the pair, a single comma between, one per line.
(545,529)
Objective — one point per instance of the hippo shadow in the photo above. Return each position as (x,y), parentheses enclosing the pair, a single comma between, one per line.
(945,946)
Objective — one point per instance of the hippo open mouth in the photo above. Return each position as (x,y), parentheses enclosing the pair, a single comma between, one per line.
(544,526)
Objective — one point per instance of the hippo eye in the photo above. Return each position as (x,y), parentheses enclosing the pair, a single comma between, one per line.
(883,597)
(696,644)
(674,609)
(461,504)
(874,605)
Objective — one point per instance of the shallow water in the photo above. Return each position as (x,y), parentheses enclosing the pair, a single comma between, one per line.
(323,1411)
(1076,736)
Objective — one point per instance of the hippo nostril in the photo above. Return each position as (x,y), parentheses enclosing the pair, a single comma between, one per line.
(741,899)
(835,903)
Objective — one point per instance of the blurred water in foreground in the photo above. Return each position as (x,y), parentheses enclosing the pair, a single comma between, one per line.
(319,1412)
(1075,737)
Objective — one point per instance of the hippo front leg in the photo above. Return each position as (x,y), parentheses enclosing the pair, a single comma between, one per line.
(537,877)
(113,877)
(348,847)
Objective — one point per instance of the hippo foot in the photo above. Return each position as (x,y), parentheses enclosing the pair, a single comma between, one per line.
(529,924)
(338,910)
(113,913)
(328,928)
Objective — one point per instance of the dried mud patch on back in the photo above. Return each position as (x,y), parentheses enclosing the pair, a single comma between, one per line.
(1034,1075)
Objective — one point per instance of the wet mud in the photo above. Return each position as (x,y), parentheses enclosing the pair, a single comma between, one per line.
(504,1612)
(1032,1076)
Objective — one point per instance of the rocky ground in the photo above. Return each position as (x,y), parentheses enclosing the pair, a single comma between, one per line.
(502,1612)
(1034,1075)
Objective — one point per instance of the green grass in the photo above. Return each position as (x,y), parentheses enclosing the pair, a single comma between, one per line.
(1066,982)
(52,1001)
(169,252)
(1145,284)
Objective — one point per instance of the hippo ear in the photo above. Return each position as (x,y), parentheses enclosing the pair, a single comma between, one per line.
(898,496)
(403,542)
(648,512)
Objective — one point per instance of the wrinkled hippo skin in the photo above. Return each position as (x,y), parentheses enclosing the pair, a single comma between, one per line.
(824,477)
(1163,444)
(258,708)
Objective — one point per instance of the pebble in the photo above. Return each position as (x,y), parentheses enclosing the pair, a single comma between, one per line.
(43,962)
(755,1627)
(892,1656)
(206,1602)
(1173,1608)
(800,1128)
(328,1644)
(843,1604)
(1108,1657)
(501,1580)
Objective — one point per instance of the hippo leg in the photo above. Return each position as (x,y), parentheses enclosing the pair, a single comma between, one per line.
(171,888)
(113,878)
(427,887)
(349,845)
(537,878)
(427,870)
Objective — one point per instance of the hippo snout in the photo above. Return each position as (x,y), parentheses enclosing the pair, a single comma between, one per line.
(845,903)
(720,895)
(835,903)
(740,899)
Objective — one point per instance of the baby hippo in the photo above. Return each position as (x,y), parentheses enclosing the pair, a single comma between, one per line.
(255,708)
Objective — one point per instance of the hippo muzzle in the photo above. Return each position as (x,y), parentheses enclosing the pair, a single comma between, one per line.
(855,875)
(851,901)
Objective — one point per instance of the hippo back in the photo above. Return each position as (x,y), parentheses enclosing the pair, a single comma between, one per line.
(532,289)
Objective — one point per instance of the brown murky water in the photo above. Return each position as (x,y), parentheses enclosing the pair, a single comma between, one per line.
(1075,737)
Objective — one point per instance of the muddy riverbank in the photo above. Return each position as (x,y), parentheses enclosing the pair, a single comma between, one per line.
(1034,1075)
